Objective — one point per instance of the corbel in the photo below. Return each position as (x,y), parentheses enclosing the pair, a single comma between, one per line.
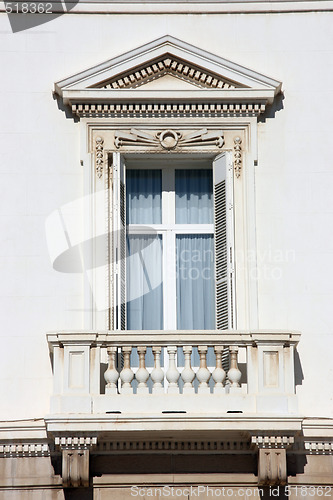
(75,460)
(272,459)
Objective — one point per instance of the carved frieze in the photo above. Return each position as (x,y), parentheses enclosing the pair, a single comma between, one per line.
(169,139)
(156,109)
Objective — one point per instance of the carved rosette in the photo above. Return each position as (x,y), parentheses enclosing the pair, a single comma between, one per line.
(237,156)
(169,140)
(99,155)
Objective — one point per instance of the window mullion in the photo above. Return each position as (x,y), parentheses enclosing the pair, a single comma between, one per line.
(169,281)
(169,249)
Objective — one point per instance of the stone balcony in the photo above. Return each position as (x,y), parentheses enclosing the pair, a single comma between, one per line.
(147,380)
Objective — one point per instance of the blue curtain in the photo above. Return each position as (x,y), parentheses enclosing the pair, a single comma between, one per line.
(144,282)
(143,196)
(194,197)
(195,282)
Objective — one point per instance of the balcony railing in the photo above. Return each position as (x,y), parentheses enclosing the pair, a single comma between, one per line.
(146,372)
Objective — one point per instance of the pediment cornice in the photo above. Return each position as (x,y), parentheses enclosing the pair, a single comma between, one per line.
(123,84)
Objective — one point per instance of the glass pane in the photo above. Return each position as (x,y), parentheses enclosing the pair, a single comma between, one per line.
(195,282)
(194,196)
(143,196)
(144,282)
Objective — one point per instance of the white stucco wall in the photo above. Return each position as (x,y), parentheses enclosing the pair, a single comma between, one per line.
(40,171)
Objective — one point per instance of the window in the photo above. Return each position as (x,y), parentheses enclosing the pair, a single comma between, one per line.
(178,270)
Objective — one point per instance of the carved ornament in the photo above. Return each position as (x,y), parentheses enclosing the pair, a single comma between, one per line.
(237,156)
(169,139)
(187,109)
(99,155)
(168,65)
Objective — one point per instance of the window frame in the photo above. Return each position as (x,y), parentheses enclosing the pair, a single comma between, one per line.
(169,229)
(98,215)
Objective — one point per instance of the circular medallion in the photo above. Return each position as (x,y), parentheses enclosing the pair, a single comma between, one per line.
(168,139)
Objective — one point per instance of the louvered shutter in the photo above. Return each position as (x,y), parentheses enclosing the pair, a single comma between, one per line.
(224,241)
(119,242)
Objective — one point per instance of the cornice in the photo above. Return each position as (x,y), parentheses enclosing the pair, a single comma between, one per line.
(25,439)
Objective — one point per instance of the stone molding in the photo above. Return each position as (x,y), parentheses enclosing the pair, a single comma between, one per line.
(184,109)
(318,447)
(24,450)
(272,442)
(75,442)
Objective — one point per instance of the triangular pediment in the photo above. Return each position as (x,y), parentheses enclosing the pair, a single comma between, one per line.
(167,70)
(167,55)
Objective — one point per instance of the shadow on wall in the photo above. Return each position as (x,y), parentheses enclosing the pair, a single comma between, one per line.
(66,109)
(78,494)
(299,376)
(272,109)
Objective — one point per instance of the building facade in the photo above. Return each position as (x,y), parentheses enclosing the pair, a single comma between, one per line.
(166,274)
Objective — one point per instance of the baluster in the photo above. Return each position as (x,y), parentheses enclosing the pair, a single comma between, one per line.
(157,375)
(218,374)
(142,375)
(234,374)
(111,375)
(172,374)
(187,373)
(126,374)
(203,374)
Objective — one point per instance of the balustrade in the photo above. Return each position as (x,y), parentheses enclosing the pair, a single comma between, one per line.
(194,378)
(258,377)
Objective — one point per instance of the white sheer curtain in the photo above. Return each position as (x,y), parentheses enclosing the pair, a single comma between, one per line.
(143,196)
(194,197)
(144,282)
(195,282)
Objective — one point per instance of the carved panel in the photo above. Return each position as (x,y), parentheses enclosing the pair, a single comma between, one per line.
(169,140)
